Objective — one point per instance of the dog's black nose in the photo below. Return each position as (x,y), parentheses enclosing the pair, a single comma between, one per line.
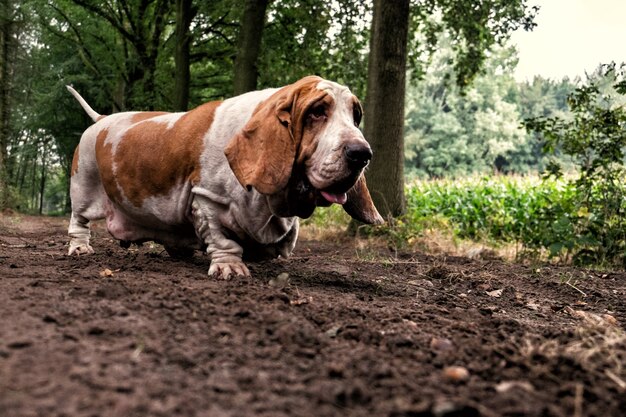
(358,155)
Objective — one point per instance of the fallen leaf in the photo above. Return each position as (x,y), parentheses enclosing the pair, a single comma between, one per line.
(301,300)
(495,293)
(421,283)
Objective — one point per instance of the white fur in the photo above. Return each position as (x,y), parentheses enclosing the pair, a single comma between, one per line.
(327,161)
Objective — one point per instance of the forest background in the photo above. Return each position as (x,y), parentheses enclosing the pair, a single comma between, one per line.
(464,112)
(123,56)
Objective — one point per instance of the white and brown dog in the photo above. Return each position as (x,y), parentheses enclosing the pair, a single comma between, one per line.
(231,177)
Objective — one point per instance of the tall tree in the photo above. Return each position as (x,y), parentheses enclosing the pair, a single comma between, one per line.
(182,74)
(8,43)
(384,106)
(249,46)
(474,28)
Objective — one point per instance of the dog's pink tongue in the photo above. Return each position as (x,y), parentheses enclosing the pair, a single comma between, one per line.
(335,198)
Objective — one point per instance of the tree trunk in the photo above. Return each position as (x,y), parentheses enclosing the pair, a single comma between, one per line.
(249,46)
(384,106)
(6,28)
(184,16)
(42,179)
(33,186)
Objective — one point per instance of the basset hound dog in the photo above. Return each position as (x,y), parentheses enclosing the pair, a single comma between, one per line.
(230,177)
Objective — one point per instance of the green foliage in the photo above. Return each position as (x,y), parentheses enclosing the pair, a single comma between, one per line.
(544,217)
(316,37)
(333,217)
(595,138)
(119,55)
(474,29)
(453,132)
(499,209)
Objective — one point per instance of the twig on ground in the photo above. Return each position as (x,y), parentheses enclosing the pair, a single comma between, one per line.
(578,400)
(619,381)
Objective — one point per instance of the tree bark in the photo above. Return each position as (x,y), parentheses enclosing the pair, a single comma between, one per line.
(184,16)
(6,29)
(42,178)
(249,46)
(384,105)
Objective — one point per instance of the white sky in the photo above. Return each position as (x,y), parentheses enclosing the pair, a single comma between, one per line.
(571,37)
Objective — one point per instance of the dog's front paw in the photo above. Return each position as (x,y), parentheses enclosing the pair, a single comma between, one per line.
(226,270)
(80,246)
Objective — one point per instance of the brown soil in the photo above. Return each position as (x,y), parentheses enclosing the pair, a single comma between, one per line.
(348,332)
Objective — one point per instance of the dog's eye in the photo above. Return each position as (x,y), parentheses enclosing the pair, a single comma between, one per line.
(356,114)
(318,112)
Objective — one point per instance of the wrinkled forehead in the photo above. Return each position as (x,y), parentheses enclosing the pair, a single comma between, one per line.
(339,93)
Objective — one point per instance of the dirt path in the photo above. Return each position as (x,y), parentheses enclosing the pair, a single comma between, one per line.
(136,333)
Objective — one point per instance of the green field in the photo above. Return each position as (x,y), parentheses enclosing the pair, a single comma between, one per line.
(545,218)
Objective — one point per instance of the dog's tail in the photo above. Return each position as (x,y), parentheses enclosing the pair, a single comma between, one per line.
(91,112)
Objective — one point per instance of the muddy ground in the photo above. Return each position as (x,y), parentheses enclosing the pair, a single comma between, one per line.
(348,332)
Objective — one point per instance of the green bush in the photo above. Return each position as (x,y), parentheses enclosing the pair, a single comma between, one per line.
(499,209)
(544,216)
(595,138)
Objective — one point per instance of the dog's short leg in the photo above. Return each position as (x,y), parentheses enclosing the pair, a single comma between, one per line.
(79,235)
(225,253)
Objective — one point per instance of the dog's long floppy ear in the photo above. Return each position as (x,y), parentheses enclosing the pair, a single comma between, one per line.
(360,205)
(262,154)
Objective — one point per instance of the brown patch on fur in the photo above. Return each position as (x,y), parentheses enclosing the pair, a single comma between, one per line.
(74,169)
(104,158)
(309,130)
(145,115)
(151,159)
(263,153)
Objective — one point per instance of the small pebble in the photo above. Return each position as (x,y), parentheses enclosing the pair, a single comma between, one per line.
(456,373)
(441,344)
(506,386)
(281,281)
